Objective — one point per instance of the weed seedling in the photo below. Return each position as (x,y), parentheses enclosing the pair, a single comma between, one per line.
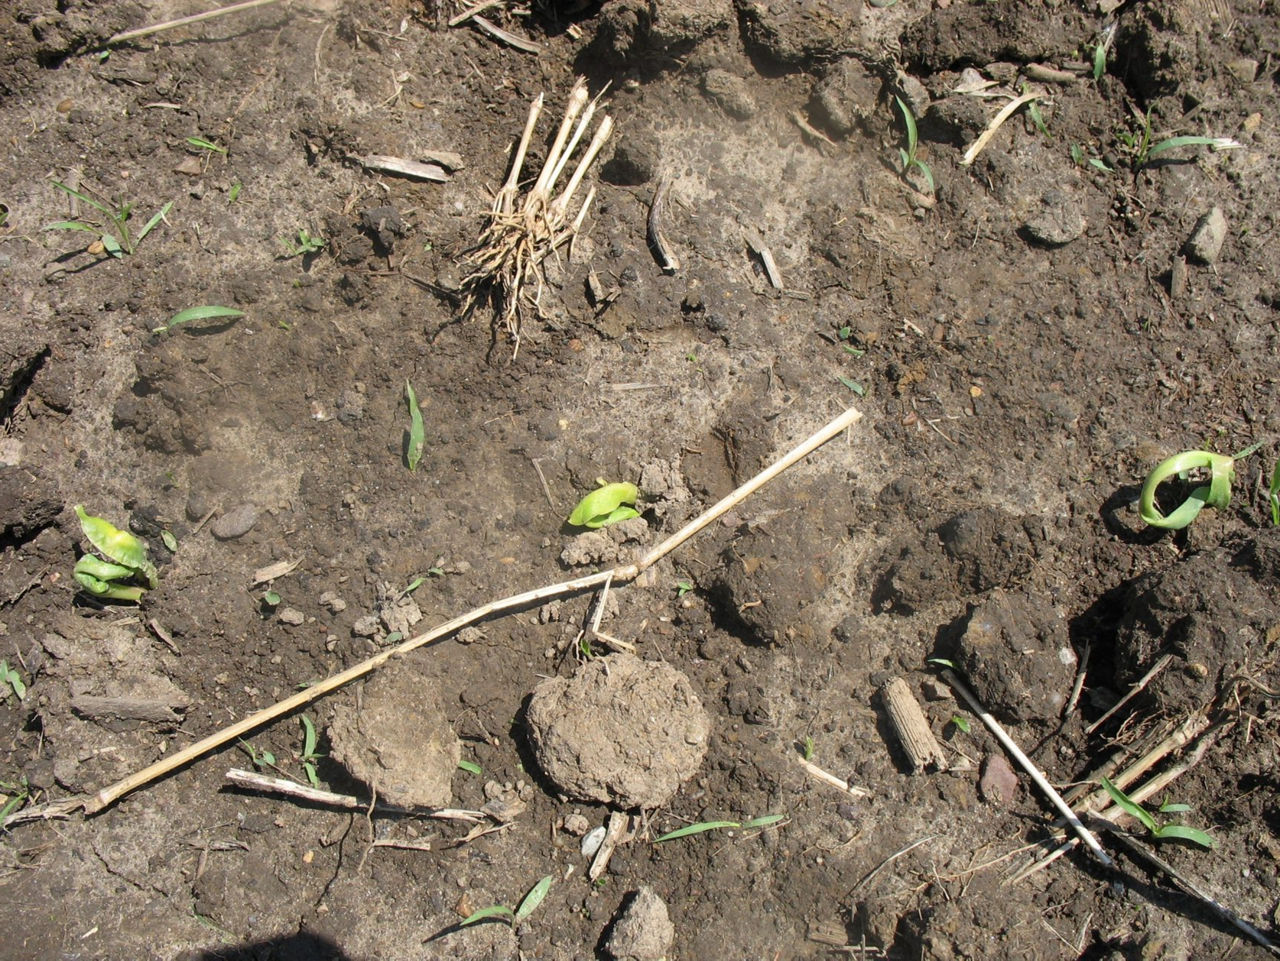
(1217,493)
(261,760)
(1142,150)
(415,436)
(123,559)
(309,755)
(1159,832)
(11,682)
(204,312)
(683,587)
(114,236)
(471,767)
(528,904)
(807,749)
(908,154)
(701,827)
(307,244)
(13,794)
(1273,496)
(208,146)
(607,504)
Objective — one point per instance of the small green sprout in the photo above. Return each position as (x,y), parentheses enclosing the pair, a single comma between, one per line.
(13,795)
(853,385)
(204,312)
(908,154)
(114,236)
(309,755)
(270,599)
(308,243)
(528,904)
(1099,61)
(1142,149)
(1159,832)
(961,723)
(1217,493)
(259,759)
(414,438)
(807,749)
(701,827)
(1037,118)
(123,558)
(170,542)
(607,504)
(471,767)
(11,681)
(201,144)
(684,586)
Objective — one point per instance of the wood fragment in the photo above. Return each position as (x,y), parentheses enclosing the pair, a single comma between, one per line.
(828,778)
(264,575)
(924,753)
(253,781)
(402,845)
(1047,74)
(1141,683)
(667,260)
(183,21)
(150,710)
(470,12)
(507,37)
(446,158)
(613,836)
(766,259)
(811,131)
(1026,764)
(405,168)
(623,574)
(164,636)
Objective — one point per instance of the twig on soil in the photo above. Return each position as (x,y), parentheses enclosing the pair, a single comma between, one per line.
(1081,670)
(304,792)
(867,878)
(1005,113)
(506,36)
(626,573)
(1189,887)
(828,778)
(470,12)
(771,271)
(1026,764)
(405,168)
(183,21)
(613,836)
(667,260)
(1142,682)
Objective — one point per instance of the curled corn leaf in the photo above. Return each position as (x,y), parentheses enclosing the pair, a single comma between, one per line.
(606,505)
(102,570)
(114,592)
(117,545)
(1217,493)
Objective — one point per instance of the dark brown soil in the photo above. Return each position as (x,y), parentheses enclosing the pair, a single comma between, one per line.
(1026,341)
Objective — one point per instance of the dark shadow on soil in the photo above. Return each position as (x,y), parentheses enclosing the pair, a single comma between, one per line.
(289,947)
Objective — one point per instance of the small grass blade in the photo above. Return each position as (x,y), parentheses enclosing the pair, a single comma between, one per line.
(763,822)
(471,767)
(309,737)
(159,216)
(413,450)
(530,902)
(1171,808)
(1129,807)
(698,828)
(95,204)
(203,144)
(1215,143)
(1273,495)
(1180,832)
(909,121)
(72,225)
(493,911)
(205,312)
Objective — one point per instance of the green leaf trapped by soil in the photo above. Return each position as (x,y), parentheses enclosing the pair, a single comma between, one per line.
(415,438)
(204,312)
(124,558)
(1217,493)
(471,767)
(11,680)
(606,505)
(528,904)
(1158,831)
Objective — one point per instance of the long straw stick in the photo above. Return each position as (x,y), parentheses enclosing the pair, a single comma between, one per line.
(183,21)
(109,795)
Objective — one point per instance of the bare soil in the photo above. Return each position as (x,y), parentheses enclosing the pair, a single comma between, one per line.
(1026,340)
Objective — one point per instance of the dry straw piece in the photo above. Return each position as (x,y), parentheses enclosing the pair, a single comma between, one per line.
(507,263)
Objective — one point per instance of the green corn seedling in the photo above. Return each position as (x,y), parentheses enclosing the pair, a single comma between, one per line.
(607,504)
(123,558)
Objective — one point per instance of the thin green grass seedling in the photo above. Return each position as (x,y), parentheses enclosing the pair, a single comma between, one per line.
(1217,493)
(13,795)
(528,904)
(807,749)
(415,438)
(204,312)
(259,759)
(702,827)
(11,682)
(1158,831)
(471,767)
(308,244)
(114,236)
(1143,149)
(908,154)
(201,144)
(309,755)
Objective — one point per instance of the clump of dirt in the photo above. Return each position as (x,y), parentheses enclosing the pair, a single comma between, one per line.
(623,730)
(643,930)
(393,735)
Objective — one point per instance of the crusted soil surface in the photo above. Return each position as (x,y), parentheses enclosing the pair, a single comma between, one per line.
(1026,335)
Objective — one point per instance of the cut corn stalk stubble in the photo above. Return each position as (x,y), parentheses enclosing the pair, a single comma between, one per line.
(507,262)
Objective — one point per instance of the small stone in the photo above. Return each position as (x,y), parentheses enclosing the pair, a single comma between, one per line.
(642,931)
(333,602)
(367,626)
(576,824)
(1243,69)
(291,615)
(1057,222)
(1205,243)
(730,93)
(235,523)
(592,840)
(998,782)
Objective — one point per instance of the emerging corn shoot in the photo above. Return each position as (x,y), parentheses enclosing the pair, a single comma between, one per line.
(506,265)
